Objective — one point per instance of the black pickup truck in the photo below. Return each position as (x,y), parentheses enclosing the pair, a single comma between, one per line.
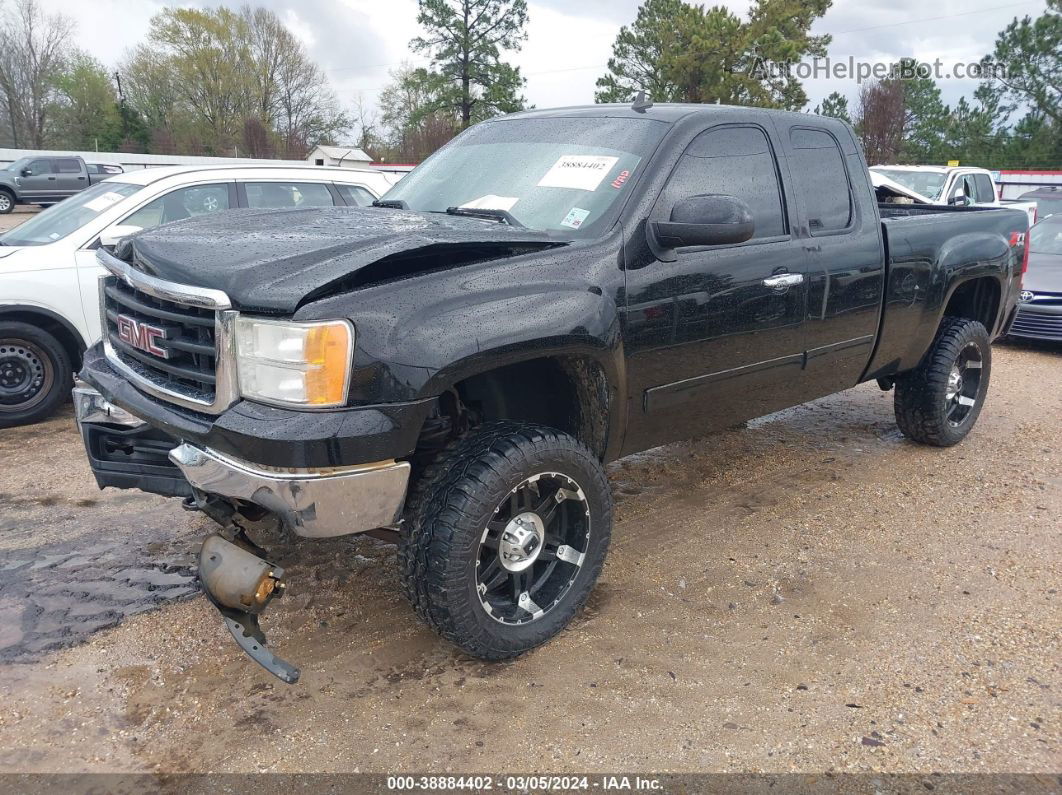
(550,291)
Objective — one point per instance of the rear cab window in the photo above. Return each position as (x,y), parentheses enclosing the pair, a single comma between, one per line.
(821,180)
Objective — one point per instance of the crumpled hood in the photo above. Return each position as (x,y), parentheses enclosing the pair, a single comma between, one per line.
(272,260)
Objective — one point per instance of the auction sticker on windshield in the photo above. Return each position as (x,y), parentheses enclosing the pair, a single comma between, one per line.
(575,217)
(583,172)
(103,201)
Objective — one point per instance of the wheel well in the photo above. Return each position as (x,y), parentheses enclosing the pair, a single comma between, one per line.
(570,394)
(68,338)
(977,299)
(7,190)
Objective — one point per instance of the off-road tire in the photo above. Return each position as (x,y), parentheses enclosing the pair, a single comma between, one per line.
(7,202)
(25,347)
(920,400)
(449,508)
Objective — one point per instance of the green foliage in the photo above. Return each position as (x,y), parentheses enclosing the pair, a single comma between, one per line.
(834,106)
(417,113)
(678,52)
(1031,52)
(86,113)
(213,80)
(465,40)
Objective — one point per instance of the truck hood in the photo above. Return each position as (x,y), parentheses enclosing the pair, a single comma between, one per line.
(277,260)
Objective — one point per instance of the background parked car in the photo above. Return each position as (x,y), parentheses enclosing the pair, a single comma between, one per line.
(1040,309)
(1048,200)
(49,305)
(104,169)
(46,180)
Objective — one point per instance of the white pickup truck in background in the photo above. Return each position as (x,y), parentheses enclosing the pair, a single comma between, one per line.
(957,186)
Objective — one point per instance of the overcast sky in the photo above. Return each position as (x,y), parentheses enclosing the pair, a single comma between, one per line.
(358,42)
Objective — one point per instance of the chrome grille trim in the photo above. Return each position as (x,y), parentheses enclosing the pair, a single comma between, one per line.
(226,391)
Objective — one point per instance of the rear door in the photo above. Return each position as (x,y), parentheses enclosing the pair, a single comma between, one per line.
(714,337)
(71,176)
(839,227)
(287,194)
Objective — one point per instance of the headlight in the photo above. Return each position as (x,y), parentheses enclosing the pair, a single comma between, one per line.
(296,364)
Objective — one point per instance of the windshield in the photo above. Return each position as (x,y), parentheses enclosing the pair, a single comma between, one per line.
(1048,207)
(926,183)
(18,164)
(68,216)
(1046,236)
(565,176)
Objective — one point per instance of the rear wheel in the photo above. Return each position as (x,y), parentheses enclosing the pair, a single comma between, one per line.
(505,537)
(35,374)
(939,402)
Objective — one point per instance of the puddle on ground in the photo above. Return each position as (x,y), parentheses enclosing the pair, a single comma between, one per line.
(59,594)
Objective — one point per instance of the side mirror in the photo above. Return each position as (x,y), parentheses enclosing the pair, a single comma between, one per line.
(706,220)
(110,236)
(958,200)
(27,172)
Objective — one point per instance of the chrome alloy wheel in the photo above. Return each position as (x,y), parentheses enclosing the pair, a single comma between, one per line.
(531,552)
(964,385)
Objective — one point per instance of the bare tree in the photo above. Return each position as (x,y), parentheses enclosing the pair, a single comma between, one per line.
(32,48)
(880,120)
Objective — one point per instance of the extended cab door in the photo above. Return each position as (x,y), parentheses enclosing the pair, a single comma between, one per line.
(714,332)
(838,224)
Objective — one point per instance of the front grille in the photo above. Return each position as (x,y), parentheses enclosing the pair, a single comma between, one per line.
(189,339)
(1037,324)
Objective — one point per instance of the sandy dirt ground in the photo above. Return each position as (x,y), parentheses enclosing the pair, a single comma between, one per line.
(16,217)
(810,593)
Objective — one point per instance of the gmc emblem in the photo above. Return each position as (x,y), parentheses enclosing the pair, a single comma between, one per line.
(142,336)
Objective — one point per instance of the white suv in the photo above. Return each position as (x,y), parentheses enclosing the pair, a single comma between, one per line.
(49,305)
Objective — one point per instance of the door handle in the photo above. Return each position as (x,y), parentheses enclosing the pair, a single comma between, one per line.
(783,281)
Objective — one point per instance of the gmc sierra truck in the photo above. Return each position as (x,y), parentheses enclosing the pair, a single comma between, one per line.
(552,290)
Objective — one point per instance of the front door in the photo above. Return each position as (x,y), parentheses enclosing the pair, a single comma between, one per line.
(715,336)
(37,182)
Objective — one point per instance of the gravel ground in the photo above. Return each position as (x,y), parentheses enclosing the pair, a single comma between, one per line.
(811,593)
(16,217)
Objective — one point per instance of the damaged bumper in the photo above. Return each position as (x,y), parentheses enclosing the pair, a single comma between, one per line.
(316,503)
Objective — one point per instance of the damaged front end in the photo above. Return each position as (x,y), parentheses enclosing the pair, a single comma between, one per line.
(234,572)
(315,503)
(240,584)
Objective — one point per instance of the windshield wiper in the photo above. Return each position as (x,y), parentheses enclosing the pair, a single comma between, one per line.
(501,216)
(391,204)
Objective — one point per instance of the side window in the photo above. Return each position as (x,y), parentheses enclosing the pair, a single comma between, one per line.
(278,195)
(964,185)
(180,204)
(67,165)
(821,178)
(355,195)
(38,167)
(986,192)
(737,161)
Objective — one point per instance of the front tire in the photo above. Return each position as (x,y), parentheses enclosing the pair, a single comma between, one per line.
(35,374)
(505,537)
(7,202)
(938,402)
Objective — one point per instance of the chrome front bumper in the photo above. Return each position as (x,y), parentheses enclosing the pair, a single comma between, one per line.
(315,503)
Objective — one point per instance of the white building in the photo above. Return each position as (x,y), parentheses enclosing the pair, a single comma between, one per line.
(338,157)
